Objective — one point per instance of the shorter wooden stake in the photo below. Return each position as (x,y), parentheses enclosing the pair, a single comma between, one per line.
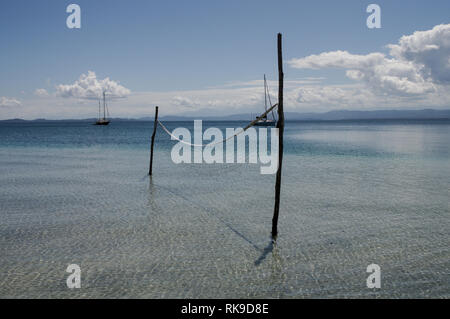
(153,141)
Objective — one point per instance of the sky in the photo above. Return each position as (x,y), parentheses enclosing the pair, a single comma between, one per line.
(209,57)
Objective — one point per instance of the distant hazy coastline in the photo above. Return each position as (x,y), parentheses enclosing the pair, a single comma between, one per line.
(338,115)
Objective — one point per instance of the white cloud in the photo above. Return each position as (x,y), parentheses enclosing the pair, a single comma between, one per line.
(417,65)
(41,93)
(430,50)
(382,74)
(183,101)
(89,87)
(225,100)
(9,102)
(337,59)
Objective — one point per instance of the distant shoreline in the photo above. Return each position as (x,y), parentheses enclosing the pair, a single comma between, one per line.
(332,116)
(381,121)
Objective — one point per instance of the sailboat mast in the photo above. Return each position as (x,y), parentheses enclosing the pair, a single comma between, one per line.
(265,93)
(104,105)
(270,101)
(99,108)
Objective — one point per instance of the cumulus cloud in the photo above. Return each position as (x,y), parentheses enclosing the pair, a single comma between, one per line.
(183,101)
(383,74)
(9,102)
(337,59)
(428,49)
(89,87)
(416,65)
(41,92)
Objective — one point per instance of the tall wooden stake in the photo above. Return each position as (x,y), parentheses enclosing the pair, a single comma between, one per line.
(155,124)
(280,126)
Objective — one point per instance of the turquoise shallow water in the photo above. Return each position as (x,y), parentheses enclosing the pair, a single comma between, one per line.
(353,194)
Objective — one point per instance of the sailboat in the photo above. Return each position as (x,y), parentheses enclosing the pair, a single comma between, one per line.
(102,120)
(265,121)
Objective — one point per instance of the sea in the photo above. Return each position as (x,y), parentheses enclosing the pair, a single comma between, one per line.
(353,194)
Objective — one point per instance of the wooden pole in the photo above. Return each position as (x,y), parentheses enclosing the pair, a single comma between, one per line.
(155,124)
(280,126)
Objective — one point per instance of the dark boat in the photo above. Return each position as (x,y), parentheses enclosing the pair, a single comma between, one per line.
(102,120)
(265,121)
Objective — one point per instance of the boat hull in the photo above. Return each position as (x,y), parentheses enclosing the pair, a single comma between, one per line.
(101,123)
(266,123)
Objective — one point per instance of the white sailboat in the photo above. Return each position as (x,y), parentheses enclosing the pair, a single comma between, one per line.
(266,121)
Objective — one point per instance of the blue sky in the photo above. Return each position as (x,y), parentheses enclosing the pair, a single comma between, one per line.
(185,46)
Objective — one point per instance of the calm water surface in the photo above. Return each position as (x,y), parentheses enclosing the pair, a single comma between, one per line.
(353,194)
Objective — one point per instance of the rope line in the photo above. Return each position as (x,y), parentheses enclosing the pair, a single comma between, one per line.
(252,123)
(198,145)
